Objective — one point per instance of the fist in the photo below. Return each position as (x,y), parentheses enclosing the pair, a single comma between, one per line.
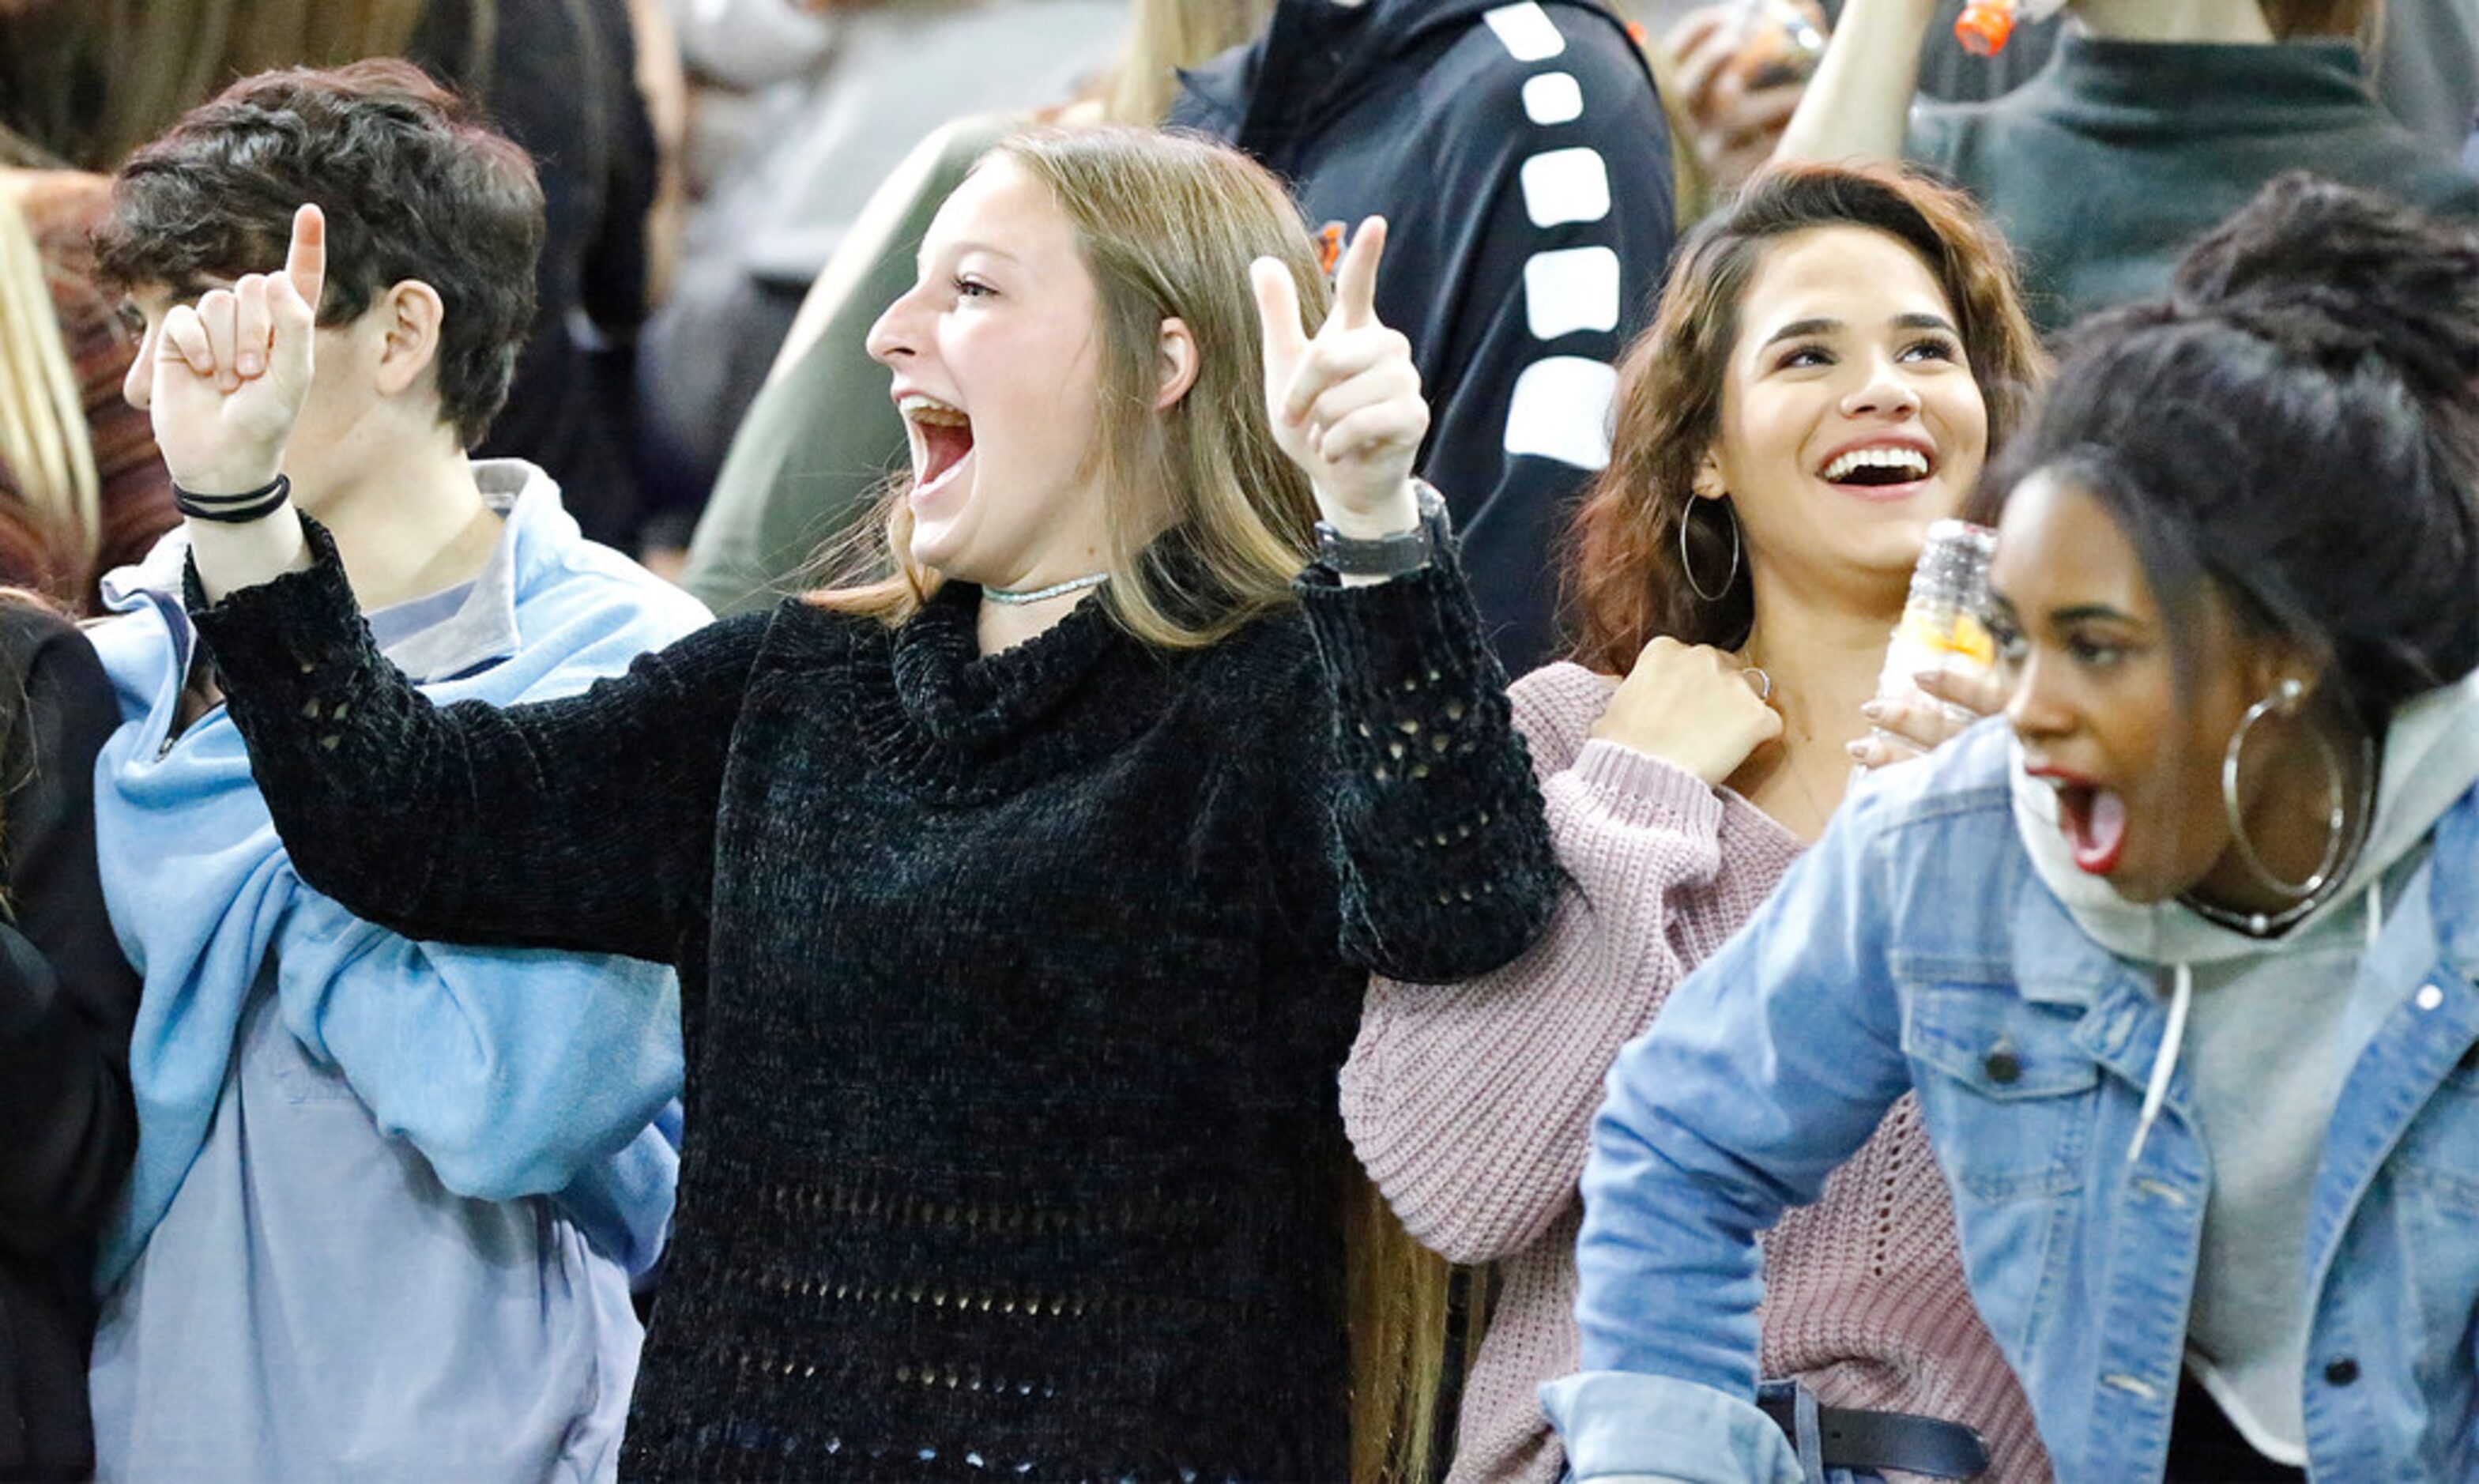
(1691,705)
(224,379)
(1346,403)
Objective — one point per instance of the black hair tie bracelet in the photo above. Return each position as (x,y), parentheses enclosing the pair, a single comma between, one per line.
(248,505)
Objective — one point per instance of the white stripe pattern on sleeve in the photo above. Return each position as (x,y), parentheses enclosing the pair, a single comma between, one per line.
(1553,98)
(1528,33)
(1564,184)
(1561,410)
(1560,405)
(1571,289)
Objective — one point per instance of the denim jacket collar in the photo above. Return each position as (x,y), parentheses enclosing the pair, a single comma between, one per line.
(2455,893)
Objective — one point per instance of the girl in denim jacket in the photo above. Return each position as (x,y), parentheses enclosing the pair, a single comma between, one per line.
(2181,962)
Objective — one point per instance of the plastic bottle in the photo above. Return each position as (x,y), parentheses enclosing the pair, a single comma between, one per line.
(1985,26)
(1942,629)
(1780,42)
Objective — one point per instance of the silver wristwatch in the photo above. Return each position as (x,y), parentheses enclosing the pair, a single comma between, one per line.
(1388,556)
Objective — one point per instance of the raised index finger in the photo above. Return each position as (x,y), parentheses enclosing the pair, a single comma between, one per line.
(305,262)
(1355,281)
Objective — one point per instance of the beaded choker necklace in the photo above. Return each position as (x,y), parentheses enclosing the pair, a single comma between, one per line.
(1013,597)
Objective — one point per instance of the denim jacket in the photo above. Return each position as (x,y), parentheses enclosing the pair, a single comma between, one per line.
(1916,947)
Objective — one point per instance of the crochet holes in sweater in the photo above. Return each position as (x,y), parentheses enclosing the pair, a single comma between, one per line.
(1419,730)
(1019,1321)
(1894,1159)
(1416,727)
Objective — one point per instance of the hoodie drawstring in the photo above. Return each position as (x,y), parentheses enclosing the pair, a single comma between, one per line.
(2181,996)
(2173,1037)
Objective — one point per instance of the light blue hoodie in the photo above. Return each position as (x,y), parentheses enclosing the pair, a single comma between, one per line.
(363,1116)
(433,1038)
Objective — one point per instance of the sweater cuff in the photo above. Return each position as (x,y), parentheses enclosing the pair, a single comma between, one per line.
(1406,634)
(280,634)
(1643,789)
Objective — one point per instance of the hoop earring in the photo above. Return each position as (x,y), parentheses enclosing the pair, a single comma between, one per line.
(2282,696)
(1687,565)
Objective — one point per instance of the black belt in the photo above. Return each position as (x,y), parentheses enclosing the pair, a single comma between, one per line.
(1848,1438)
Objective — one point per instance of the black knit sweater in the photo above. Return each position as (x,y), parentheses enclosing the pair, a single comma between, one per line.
(1015,988)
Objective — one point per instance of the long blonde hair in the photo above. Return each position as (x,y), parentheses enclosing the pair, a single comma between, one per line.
(1404,1321)
(1168,225)
(1164,35)
(92,80)
(45,450)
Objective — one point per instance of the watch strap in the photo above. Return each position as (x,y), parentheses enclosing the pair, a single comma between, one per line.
(1392,555)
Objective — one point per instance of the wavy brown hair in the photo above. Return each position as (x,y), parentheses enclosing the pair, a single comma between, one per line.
(1624,584)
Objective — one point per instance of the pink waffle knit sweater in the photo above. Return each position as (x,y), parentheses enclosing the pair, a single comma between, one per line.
(1470,1103)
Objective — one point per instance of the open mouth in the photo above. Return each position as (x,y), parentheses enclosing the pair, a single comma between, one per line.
(945,435)
(1883,468)
(2095,821)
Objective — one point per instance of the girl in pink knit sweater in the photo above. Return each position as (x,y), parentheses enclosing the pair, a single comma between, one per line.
(1835,356)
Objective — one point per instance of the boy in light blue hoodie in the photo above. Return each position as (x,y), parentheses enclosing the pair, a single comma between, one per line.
(388,1196)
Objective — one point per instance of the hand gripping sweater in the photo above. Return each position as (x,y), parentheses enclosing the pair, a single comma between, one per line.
(1471,1105)
(1015,985)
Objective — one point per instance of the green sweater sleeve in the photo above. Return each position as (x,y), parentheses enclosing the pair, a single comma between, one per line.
(822,436)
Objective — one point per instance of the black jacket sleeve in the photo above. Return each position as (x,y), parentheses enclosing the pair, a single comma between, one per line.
(1522,302)
(584,823)
(1528,201)
(67,997)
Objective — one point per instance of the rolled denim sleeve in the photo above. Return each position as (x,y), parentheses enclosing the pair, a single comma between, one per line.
(1768,1068)
(1634,1429)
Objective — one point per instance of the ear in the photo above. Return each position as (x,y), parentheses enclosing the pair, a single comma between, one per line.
(1175,361)
(1708,483)
(408,317)
(2276,666)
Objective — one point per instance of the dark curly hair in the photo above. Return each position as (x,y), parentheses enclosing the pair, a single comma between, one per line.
(415,186)
(2295,428)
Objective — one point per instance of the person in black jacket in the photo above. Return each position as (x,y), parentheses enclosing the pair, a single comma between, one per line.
(1519,155)
(67,999)
(560,77)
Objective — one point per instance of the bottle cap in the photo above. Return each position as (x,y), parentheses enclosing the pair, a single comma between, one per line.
(1985,26)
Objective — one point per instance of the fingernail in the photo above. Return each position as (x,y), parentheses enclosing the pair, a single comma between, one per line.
(1926,678)
(1858,751)
(1873,711)
(248,365)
